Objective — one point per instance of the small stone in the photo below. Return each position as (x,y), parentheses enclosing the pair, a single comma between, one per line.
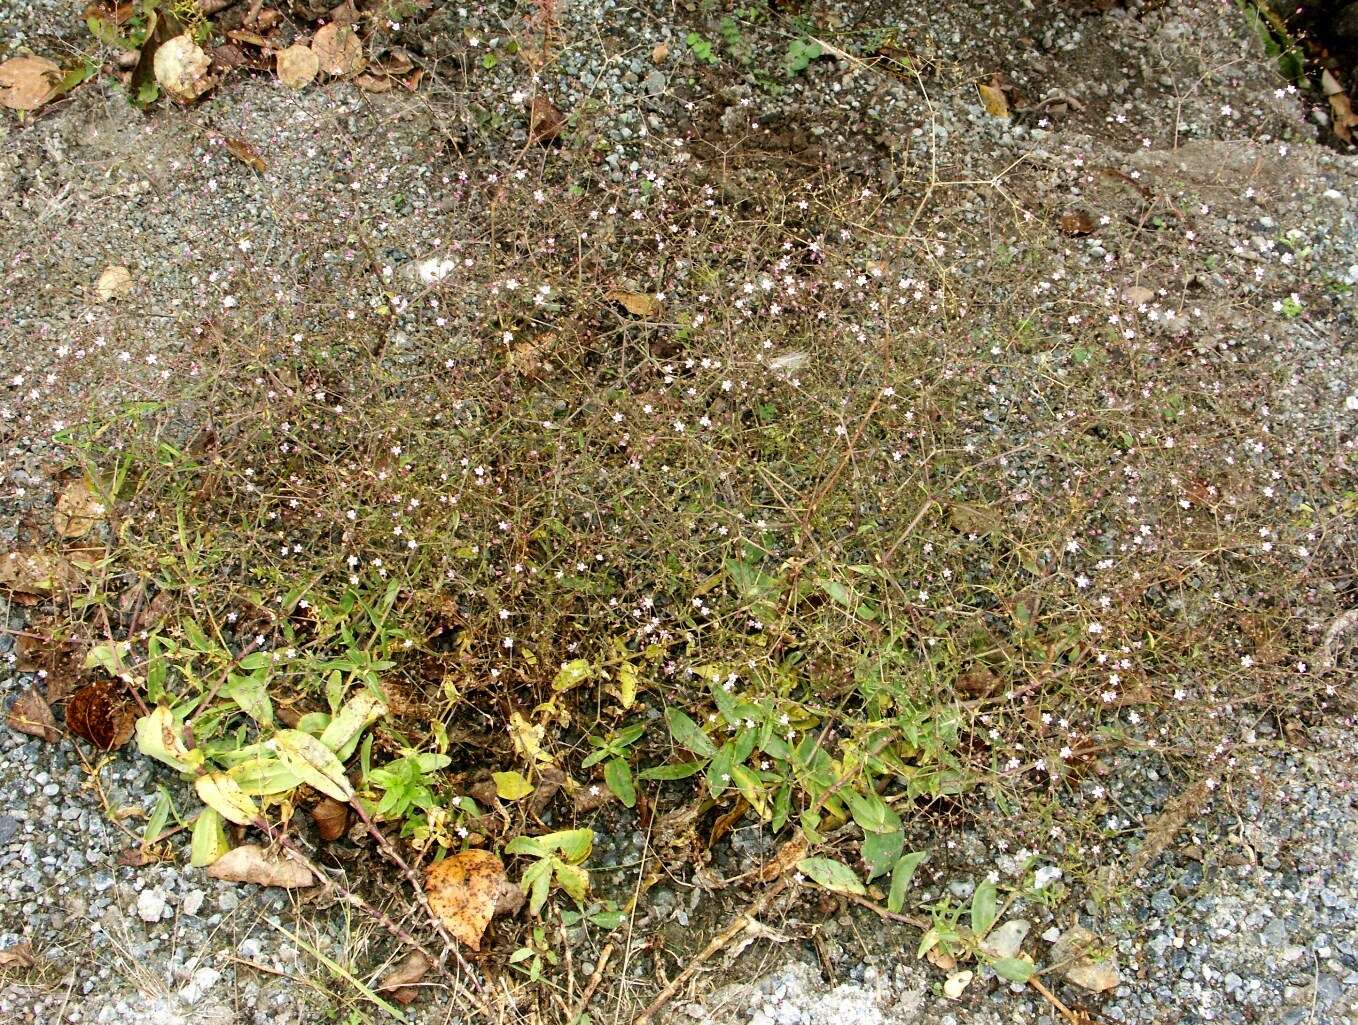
(1095,975)
(193,902)
(1006,940)
(151,905)
(956,983)
(655,83)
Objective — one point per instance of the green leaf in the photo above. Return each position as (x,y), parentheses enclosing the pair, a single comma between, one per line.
(574,880)
(314,723)
(256,660)
(831,874)
(681,770)
(751,788)
(355,715)
(872,813)
(618,776)
(719,770)
(881,850)
(209,839)
(511,786)
(574,844)
(688,734)
(160,815)
(315,763)
(839,593)
(900,879)
(537,879)
(251,694)
(263,777)
(160,735)
(223,795)
(572,674)
(1015,969)
(528,846)
(983,908)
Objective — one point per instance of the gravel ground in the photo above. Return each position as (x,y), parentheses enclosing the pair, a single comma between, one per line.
(1250,914)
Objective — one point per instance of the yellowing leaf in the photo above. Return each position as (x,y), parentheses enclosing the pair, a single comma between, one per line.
(315,763)
(572,674)
(223,794)
(160,735)
(511,786)
(355,715)
(574,880)
(639,304)
(527,738)
(463,890)
(628,676)
(995,103)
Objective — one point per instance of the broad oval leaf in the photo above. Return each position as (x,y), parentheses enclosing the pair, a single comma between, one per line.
(983,908)
(223,794)
(511,786)
(618,776)
(574,844)
(832,875)
(572,674)
(264,776)
(900,879)
(1015,969)
(688,734)
(574,880)
(315,763)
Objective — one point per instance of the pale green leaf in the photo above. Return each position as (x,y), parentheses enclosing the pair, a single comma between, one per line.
(160,735)
(511,786)
(572,674)
(356,715)
(831,874)
(315,763)
(209,839)
(900,880)
(223,794)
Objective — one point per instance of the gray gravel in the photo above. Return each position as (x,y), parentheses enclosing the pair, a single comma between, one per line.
(1251,915)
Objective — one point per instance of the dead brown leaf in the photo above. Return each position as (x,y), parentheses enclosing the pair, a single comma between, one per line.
(252,864)
(545,122)
(18,956)
(99,713)
(1345,120)
(35,573)
(298,66)
(660,53)
(338,50)
(114,283)
(29,714)
(79,508)
(992,96)
(26,83)
(787,855)
(639,304)
(246,154)
(400,981)
(331,818)
(463,890)
(1076,222)
(373,83)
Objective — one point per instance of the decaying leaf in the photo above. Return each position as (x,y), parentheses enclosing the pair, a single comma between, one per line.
(786,856)
(26,83)
(545,122)
(660,53)
(35,573)
(639,304)
(956,983)
(338,50)
(331,818)
(250,863)
(463,890)
(399,983)
(182,68)
(78,509)
(298,66)
(29,714)
(373,83)
(993,97)
(114,283)
(1076,222)
(246,154)
(99,713)
(18,956)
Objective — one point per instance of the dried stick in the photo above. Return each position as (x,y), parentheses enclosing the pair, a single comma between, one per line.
(592,985)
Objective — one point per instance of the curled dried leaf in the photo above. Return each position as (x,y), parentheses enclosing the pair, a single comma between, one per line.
(18,956)
(639,304)
(35,573)
(996,104)
(29,714)
(545,122)
(338,50)
(79,508)
(400,981)
(464,890)
(331,818)
(99,713)
(114,283)
(1076,222)
(26,83)
(252,864)
(298,66)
